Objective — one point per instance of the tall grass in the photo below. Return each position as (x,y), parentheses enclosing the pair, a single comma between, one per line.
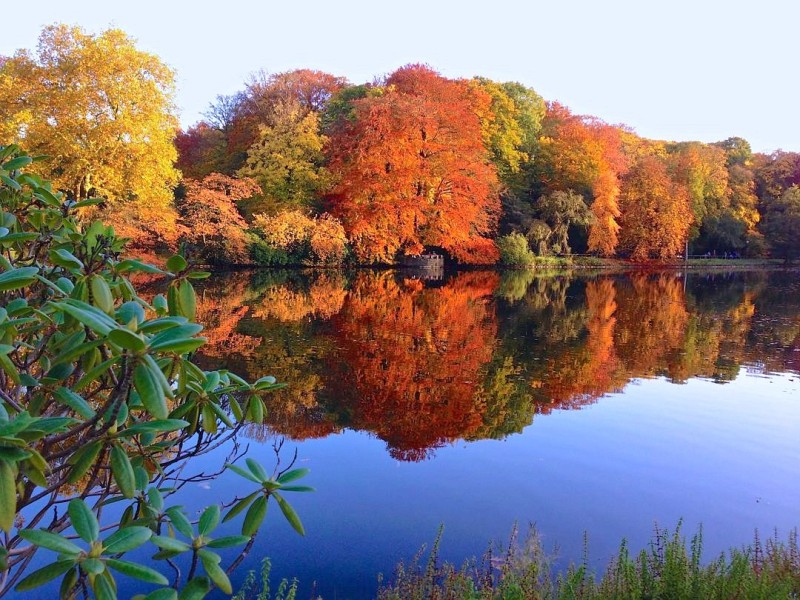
(669,568)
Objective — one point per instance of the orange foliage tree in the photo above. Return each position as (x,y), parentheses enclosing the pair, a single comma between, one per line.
(413,170)
(212,221)
(656,211)
(585,154)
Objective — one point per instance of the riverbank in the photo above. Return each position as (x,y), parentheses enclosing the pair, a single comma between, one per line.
(594,262)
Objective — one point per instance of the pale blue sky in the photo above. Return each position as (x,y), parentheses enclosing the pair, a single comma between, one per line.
(678,69)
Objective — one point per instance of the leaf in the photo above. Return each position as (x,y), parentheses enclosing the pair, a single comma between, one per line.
(171,544)
(83,520)
(156,426)
(126,539)
(187,299)
(101,294)
(196,589)
(17,278)
(179,521)
(255,516)
(150,391)
(8,496)
(290,514)
(75,402)
(208,520)
(257,470)
(134,265)
(82,461)
(240,471)
(215,572)
(92,317)
(138,571)
(122,471)
(102,587)
(65,258)
(240,506)
(297,488)
(176,263)
(228,541)
(162,594)
(293,475)
(125,338)
(92,566)
(45,574)
(17,163)
(51,541)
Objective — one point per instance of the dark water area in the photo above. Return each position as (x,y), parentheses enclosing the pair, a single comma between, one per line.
(581,403)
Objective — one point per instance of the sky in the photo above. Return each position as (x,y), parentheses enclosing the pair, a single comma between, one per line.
(675,70)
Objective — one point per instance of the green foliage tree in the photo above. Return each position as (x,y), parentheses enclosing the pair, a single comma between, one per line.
(100,403)
(561,210)
(514,250)
(782,224)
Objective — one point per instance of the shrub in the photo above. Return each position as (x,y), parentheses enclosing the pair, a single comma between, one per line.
(305,240)
(100,403)
(514,251)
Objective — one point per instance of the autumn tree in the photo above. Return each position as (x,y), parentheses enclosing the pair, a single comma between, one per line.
(775,173)
(413,170)
(248,111)
(102,109)
(286,160)
(586,155)
(656,211)
(702,168)
(201,151)
(211,220)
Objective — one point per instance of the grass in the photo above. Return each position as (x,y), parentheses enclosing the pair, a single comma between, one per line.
(670,568)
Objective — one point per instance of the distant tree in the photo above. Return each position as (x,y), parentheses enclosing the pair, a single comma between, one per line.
(737,150)
(255,107)
(782,225)
(286,161)
(775,173)
(201,151)
(212,222)
(560,210)
(586,155)
(502,132)
(702,168)
(656,211)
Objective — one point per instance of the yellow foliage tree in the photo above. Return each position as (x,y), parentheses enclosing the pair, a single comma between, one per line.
(316,240)
(286,161)
(103,111)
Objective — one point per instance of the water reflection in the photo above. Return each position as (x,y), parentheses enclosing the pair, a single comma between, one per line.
(420,364)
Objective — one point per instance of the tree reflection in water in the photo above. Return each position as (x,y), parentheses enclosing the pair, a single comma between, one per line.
(423,364)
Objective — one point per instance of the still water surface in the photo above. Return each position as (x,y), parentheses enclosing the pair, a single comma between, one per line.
(593,403)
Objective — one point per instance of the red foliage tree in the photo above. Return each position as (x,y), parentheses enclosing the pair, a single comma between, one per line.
(413,170)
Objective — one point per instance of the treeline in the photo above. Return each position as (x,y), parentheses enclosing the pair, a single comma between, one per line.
(304,167)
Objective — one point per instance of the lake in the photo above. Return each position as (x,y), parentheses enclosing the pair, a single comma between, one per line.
(592,403)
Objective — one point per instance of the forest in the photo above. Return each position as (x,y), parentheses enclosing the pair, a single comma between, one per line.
(308,168)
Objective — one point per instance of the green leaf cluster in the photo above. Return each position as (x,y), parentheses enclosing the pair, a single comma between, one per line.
(101,403)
